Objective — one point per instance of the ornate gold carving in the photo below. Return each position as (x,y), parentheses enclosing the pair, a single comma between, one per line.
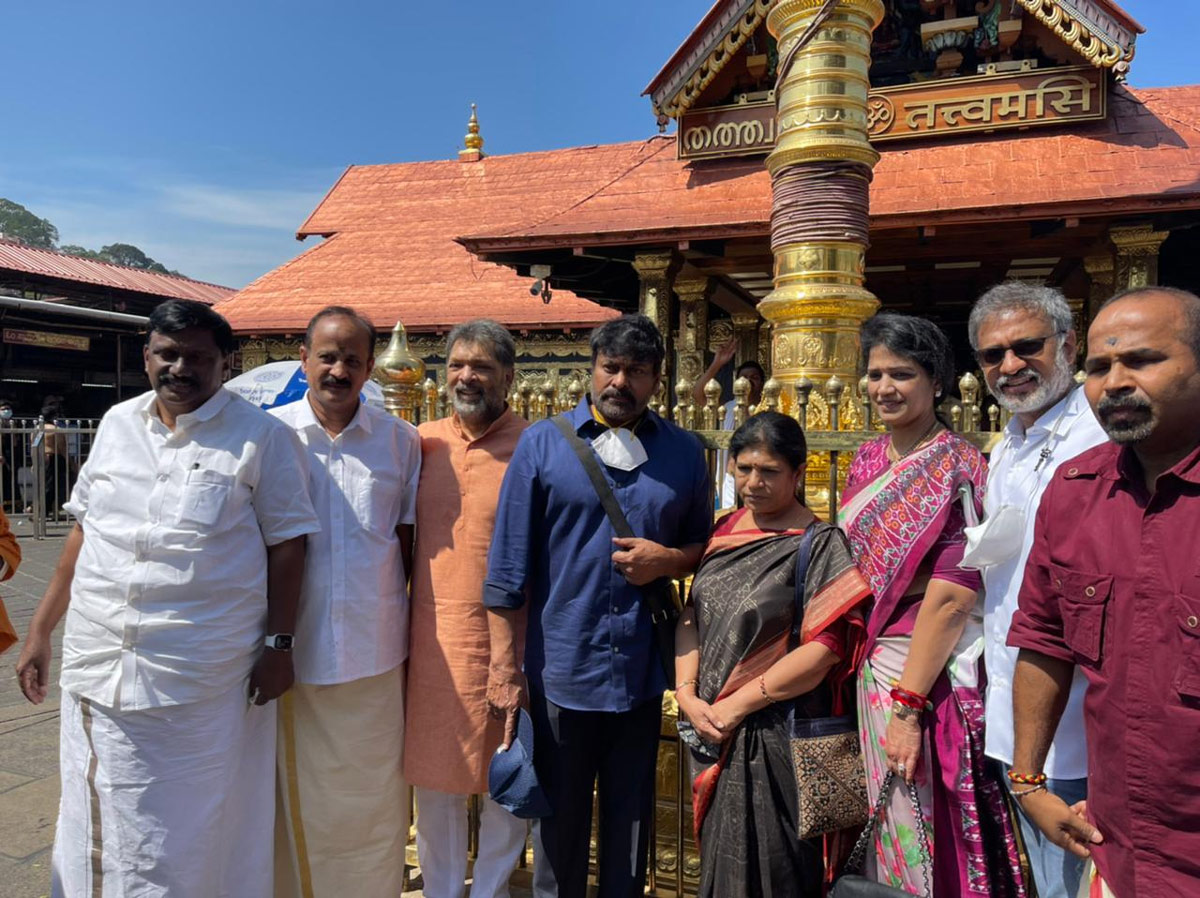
(1098,49)
(721,332)
(708,69)
(1137,255)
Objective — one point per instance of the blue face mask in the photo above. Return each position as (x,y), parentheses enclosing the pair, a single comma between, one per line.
(5,414)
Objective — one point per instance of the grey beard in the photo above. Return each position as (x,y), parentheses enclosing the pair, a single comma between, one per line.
(486,406)
(1048,392)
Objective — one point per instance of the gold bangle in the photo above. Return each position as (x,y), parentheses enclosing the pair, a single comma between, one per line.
(691,683)
(1040,787)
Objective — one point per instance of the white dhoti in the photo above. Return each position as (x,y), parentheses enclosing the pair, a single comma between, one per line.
(442,846)
(343,807)
(176,801)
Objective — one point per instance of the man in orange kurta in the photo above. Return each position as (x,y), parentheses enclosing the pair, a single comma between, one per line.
(10,558)
(449,734)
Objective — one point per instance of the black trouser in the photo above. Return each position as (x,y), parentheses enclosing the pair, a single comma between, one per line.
(571,750)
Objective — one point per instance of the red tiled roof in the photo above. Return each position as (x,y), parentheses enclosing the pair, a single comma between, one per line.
(1145,156)
(392,254)
(16,256)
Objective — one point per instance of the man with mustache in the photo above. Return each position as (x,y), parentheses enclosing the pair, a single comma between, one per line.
(179,582)
(343,820)
(451,734)
(1112,587)
(595,680)
(1024,341)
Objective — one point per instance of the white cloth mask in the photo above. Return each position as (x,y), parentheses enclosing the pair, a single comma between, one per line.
(619,448)
(996,540)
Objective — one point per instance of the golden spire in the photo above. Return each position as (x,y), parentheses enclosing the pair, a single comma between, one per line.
(473,142)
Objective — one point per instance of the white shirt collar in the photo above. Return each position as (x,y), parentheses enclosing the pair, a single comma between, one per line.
(306,417)
(206,412)
(1068,406)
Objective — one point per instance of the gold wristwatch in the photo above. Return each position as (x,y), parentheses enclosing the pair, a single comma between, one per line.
(903,711)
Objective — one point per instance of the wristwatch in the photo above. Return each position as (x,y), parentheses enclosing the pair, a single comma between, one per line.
(903,711)
(280,642)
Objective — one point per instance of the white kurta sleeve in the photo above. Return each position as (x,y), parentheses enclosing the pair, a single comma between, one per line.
(281,500)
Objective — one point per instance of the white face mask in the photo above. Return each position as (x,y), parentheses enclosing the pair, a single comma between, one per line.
(996,540)
(618,448)
(5,414)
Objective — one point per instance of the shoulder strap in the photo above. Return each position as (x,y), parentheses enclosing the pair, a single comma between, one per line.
(803,557)
(604,492)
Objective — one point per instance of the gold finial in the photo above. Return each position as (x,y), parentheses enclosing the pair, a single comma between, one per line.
(400,372)
(473,141)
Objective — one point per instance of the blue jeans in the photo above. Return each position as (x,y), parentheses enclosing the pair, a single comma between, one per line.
(1055,872)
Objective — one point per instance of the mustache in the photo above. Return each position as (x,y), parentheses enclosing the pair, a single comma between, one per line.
(1005,379)
(1110,404)
(176,380)
(618,393)
(336,382)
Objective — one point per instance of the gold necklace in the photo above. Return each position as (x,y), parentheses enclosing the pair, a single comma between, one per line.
(900,456)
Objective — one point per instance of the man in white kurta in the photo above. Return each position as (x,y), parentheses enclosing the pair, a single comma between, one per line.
(343,816)
(184,561)
(1025,344)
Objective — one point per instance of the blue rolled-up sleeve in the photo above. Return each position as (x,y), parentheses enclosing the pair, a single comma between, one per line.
(510,554)
(698,523)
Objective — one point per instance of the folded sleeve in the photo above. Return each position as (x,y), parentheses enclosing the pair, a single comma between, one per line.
(412,473)
(281,501)
(77,504)
(946,554)
(512,549)
(1037,624)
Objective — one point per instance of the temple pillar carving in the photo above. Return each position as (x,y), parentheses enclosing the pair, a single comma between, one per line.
(693,294)
(656,280)
(1101,270)
(745,332)
(1137,255)
(819,300)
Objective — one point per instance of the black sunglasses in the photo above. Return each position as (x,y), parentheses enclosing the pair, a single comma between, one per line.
(1022,349)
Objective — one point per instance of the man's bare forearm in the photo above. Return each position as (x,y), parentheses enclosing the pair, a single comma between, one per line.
(57,597)
(1041,687)
(285,572)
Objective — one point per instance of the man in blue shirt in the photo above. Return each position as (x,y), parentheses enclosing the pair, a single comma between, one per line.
(594,677)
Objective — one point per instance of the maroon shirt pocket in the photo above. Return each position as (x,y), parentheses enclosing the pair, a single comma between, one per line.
(1083,597)
(1187,615)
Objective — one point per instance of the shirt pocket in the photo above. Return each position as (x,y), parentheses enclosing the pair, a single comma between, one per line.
(205,496)
(1187,676)
(1083,600)
(379,502)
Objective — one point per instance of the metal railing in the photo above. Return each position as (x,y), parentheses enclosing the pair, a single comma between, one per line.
(39,462)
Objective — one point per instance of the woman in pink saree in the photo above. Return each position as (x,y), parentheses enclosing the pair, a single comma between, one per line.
(920,689)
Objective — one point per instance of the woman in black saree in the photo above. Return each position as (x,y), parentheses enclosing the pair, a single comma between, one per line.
(744,663)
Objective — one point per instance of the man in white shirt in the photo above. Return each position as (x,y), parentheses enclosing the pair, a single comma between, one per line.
(185,558)
(343,820)
(1024,341)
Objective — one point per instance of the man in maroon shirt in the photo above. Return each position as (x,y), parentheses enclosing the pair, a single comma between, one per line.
(1113,585)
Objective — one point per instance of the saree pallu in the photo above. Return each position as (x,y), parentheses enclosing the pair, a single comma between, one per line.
(745,802)
(895,518)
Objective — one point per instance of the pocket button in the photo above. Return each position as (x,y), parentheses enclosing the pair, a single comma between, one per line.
(1090,591)
(1193,621)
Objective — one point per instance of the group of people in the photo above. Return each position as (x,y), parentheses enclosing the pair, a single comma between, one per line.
(274,622)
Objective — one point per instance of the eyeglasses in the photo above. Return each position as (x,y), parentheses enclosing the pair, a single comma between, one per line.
(1022,349)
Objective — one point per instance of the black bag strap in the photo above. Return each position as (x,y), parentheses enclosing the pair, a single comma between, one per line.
(604,492)
(858,855)
(803,557)
(659,613)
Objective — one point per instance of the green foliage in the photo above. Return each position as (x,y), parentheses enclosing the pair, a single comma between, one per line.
(17,221)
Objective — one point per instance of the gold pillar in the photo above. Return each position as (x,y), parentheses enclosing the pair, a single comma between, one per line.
(1137,255)
(693,296)
(819,300)
(656,276)
(400,372)
(1100,270)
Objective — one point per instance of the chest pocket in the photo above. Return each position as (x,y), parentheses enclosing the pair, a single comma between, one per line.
(1187,676)
(379,502)
(1083,602)
(206,495)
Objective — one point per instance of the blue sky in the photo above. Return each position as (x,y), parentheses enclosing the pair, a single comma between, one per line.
(205,132)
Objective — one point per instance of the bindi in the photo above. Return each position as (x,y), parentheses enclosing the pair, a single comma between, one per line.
(1111,341)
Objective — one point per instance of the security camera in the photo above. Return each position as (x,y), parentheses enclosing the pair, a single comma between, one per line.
(535,288)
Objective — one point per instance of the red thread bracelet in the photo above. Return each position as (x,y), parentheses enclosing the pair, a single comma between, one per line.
(1027,779)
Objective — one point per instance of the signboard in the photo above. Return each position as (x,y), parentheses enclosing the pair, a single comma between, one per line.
(934,108)
(44,340)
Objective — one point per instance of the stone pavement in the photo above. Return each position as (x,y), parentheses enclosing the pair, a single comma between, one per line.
(29,740)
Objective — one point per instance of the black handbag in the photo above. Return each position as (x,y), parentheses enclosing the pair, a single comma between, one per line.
(661,597)
(854,884)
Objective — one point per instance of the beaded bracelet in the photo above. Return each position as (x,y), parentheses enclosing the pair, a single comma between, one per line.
(1027,779)
(762,687)
(913,700)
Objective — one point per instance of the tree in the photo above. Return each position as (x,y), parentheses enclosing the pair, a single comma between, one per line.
(72,249)
(129,255)
(17,221)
